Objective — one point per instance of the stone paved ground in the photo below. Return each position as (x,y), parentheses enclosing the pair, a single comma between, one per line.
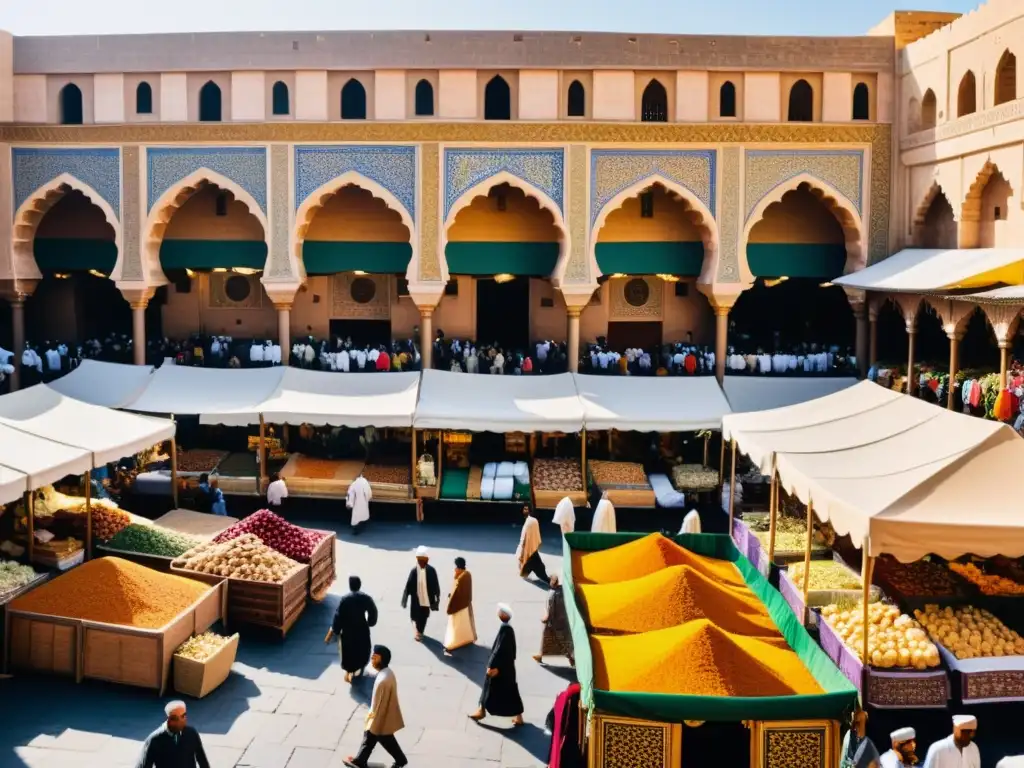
(286,704)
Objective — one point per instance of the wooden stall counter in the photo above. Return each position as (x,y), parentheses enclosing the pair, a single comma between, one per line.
(326,478)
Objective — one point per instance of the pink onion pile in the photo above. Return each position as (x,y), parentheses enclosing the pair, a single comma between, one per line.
(277,533)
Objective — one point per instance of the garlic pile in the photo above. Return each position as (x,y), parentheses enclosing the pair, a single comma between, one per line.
(894,639)
(243,558)
(202,647)
(969,632)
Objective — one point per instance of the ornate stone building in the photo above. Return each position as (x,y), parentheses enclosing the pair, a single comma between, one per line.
(535,185)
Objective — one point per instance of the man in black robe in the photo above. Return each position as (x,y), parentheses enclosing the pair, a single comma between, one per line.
(422,592)
(175,744)
(352,621)
(500,694)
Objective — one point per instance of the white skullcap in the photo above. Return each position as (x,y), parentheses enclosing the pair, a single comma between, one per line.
(965,721)
(504,609)
(174,706)
(903,734)
(421,551)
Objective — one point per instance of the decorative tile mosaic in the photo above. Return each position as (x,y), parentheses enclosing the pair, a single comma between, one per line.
(843,169)
(279,258)
(578,268)
(430,261)
(613,170)
(542,168)
(131,254)
(729,226)
(99,167)
(246,166)
(393,167)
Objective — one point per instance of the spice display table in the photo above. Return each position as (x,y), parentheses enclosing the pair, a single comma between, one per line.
(625,483)
(793,591)
(556,479)
(389,482)
(319,478)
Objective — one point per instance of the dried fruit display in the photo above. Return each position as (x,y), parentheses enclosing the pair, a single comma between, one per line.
(153,540)
(199,460)
(243,558)
(790,534)
(108,520)
(15,575)
(557,475)
(970,633)
(988,583)
(697,658)
(824,575)
(277,533)
(203,647)
(391,474)
(921,578)
(618,474)
(645,556)
(316,469)
(894,638)
(694,477)
(114,591)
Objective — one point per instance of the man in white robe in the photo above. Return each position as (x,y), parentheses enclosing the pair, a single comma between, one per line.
(691,523)
(565,516)
(604,517)
(358,500)
(957,750)
(904,743)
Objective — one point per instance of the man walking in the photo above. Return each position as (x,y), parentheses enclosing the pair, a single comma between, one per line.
(384,719)
(352,621)
(528,551)
(461,630)
(422,592)
(500,694)
(175,744)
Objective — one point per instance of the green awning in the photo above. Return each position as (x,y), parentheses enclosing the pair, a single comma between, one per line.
(670,258)
(213,254)
(837,700)
(55,254)
(818,260)
(532,259)
(324,257)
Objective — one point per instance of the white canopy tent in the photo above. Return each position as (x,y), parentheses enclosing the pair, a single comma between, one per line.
(12,485)
(112,385)
(41,461)
(107,434)
(922,270)
(337,400)
(459,401)
(184,390)
(651,404)
(763,393)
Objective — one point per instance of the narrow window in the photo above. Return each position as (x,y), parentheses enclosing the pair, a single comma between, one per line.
(279,97)
(71,105)
(861,102)
(424,99)
(801,102)
(654,103)
(1006,78)
(210,103)
(497,99)
(967,98)
(353,101)
(727,100)
(576,103)
(144,99)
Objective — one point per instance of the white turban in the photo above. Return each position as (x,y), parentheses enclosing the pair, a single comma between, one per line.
(504,609)
(903,734)
(421,551)
(965,721)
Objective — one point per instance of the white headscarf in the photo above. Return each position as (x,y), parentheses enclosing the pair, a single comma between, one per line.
(691,523)
(604,518)
(565,516)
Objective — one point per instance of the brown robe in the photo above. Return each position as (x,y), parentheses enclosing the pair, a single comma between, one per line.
(462,594)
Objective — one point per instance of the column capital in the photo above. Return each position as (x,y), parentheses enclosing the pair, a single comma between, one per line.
(721,296)
(16,292)
(139,304)
(281,292)
(137,298)
(957,336)
(282,306)
(426,311)
(574,311)
(721,311)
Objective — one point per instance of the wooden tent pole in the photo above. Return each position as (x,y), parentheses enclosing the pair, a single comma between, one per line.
(88,515)
(721,459)
(773,512)
(583,456)
(866,574)
(30,518)
(262,454)
(807,556)
(706,438)
(732,488)
(174,464)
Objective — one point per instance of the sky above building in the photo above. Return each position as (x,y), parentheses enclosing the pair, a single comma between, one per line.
(735,17)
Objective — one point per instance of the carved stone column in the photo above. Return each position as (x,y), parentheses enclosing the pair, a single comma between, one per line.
(573,343)
(721,341)
(427,336)
(284,329)
(138,300)
(954,365)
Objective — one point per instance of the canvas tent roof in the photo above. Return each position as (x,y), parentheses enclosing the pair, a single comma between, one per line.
(922,270)
(762,393)
(42,461)
(338,400)
(185,390)
(107,434)
(499,403)
(12,485)
(113,385)
(651,404)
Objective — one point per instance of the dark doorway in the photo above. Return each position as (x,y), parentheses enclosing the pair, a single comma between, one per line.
(362,332)
(640,335)
(74,308)
(716,744)
(799,310)
(210,103)
(503,313)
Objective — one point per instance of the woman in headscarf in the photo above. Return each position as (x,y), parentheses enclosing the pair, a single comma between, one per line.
(565,516)
(556,639)
(461,630)
(604,517)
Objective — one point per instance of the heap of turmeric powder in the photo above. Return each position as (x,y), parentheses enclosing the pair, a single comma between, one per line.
(645,556)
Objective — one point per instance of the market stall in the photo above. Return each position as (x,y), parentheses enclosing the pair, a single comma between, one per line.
(504,415)
(765,393)
(686,655)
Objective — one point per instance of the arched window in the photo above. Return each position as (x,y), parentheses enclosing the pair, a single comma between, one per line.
(576,100)
(144,99)
(71,105)
(279,99)
(929,107)
(967,96)
(210,103)
(861,102)
(424,99)
(654,103)
(727,100)
(353,101)
(497,99)
(1006,78)
(801,102)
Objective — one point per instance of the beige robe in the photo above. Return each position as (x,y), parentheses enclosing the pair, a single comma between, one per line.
(385,715)
(529,541)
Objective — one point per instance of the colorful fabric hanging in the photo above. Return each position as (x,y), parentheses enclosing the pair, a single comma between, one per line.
(1002,411)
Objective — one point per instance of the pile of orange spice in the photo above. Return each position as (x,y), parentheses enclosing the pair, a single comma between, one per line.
(646,556)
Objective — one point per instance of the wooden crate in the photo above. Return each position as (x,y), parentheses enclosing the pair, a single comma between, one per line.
(323,567)
(260,603)
(111,652)
(550,499)
(156,562)
(631,497)
(198,678)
